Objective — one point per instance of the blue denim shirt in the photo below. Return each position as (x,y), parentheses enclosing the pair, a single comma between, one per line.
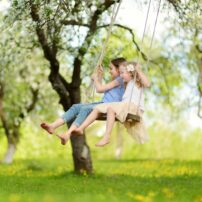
(115,94)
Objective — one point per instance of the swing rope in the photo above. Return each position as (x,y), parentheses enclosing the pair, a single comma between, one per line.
(99,62)
(143,37)
(113,19)
(91,88)
(148,58)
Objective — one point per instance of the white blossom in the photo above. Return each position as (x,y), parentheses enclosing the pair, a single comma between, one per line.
(130,68)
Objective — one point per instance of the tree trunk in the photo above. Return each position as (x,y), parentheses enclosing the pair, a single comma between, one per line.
(8,157)
(12,139)
(80,149)
(81,154)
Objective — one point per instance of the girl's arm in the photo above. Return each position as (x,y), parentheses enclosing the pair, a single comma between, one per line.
(144,80)
(101,88)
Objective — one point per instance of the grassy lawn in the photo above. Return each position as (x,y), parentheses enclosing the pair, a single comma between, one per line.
(148,180)
(42,170)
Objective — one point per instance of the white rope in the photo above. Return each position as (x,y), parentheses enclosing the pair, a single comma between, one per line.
(143,36)
(113,19)
(150,47)
(91,88)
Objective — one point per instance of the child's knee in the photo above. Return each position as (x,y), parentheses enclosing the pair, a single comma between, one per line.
(110,110)
(96,112)
(75,105)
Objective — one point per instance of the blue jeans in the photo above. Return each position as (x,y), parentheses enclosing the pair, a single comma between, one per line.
(78,113)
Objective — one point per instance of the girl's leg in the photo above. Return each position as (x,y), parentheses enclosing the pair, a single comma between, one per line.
(52,126)
(83,114)
(111,115)
(72,112)
(64,137)
(92,117)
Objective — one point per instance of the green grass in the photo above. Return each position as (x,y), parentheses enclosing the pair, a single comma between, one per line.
(167,168)
(146,180)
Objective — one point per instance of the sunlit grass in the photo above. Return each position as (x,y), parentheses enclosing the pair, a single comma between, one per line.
(128,180)
(140,180)
(168,168)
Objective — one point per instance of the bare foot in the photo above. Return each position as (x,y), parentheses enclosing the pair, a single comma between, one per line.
(64,138)
(78,131)
(103,142)
(48,128)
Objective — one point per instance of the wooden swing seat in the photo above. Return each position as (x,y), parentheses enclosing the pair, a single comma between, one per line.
(130,117)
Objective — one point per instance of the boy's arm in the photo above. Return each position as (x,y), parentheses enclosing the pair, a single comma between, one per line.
(144,80)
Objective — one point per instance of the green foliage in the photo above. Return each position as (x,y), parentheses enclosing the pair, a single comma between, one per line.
(183,42)
(23,70)
(165,67)
(173,141)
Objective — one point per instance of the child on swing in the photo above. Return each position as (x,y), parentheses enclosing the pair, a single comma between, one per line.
(132,102)
(113,92)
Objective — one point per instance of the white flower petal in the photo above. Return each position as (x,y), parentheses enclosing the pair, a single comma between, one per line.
(130,68)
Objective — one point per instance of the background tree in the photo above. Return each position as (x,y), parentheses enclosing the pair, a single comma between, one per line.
(186,30)
(66,30)
(22,72)
(17,98)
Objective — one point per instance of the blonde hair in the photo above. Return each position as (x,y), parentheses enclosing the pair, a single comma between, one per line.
(131,68)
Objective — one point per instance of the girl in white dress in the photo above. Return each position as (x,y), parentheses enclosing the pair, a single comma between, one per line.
(132,102)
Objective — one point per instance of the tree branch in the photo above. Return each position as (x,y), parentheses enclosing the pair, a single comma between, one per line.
(87,41)
(133,37)
(50,54)
(74,23)
(30,107)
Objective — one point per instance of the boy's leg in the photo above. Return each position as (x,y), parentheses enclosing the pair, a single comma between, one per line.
(109,125)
